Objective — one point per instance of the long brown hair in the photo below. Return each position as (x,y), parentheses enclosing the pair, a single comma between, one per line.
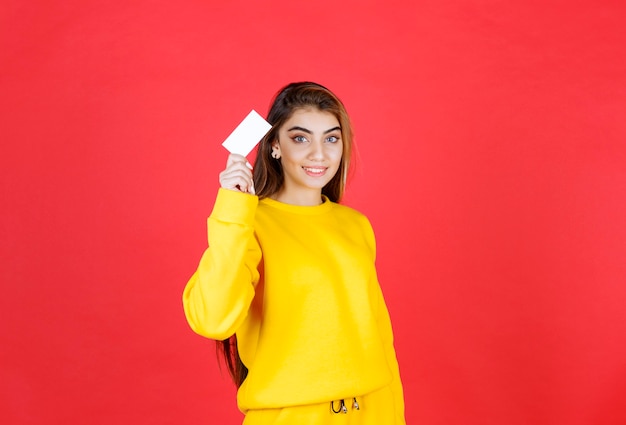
(268,173)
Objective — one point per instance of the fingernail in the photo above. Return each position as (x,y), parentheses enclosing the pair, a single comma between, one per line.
(248,165)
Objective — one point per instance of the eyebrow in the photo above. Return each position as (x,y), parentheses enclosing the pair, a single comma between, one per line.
(305,130)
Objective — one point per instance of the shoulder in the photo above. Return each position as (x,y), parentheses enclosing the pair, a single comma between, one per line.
(350,212)
(359,223)
(350,215)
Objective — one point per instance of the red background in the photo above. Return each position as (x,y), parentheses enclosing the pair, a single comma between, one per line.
(492,164)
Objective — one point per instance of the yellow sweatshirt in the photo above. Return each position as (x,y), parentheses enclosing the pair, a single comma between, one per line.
(298,286)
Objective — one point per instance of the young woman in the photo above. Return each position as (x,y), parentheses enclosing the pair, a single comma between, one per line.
(288,284)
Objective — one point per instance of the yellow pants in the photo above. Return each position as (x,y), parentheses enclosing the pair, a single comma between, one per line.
(376,408)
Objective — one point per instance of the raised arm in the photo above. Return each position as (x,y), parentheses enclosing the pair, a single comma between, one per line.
(218,295)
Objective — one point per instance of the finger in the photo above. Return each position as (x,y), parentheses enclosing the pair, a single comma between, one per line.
(239,165)
(236,158)
(236,172)
(237,175)
(236,183)
(231,179)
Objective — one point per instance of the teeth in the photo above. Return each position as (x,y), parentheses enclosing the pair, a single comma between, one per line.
(314,170)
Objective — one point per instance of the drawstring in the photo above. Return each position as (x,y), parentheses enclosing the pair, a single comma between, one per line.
(342,406)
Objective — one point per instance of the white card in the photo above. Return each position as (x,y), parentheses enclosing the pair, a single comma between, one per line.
(248,133)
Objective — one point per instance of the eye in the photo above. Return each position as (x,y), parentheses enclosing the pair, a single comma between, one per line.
(299,139)
(332,139)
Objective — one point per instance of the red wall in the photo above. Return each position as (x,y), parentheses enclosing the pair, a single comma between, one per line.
(492,163)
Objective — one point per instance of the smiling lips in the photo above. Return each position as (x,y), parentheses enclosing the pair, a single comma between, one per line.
(315,171)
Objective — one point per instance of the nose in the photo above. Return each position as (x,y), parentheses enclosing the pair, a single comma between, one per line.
(317,150)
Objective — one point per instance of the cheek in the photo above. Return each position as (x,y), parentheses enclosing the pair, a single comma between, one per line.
(296,156)
(290,153)
(337,153)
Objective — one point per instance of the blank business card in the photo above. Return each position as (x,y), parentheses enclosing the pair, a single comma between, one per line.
(247,134)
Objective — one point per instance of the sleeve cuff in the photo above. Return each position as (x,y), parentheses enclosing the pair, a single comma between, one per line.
(234,207)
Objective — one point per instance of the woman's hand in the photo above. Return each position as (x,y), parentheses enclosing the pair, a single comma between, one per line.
(237,175)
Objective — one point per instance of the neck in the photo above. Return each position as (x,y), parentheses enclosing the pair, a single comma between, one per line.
(301,198)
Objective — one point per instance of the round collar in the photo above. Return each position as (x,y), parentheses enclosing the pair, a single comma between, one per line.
(325,206)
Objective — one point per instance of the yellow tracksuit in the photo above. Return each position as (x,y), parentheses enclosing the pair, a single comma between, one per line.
(298,286)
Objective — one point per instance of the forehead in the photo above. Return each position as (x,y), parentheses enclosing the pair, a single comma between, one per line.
(312,119)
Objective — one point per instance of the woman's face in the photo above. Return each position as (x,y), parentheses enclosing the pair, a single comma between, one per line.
(310,148)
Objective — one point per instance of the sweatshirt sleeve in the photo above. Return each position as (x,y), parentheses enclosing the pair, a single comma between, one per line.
(386,333)
(384,324)
(218,295)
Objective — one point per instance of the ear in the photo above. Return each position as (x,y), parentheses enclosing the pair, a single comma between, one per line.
(275,149)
